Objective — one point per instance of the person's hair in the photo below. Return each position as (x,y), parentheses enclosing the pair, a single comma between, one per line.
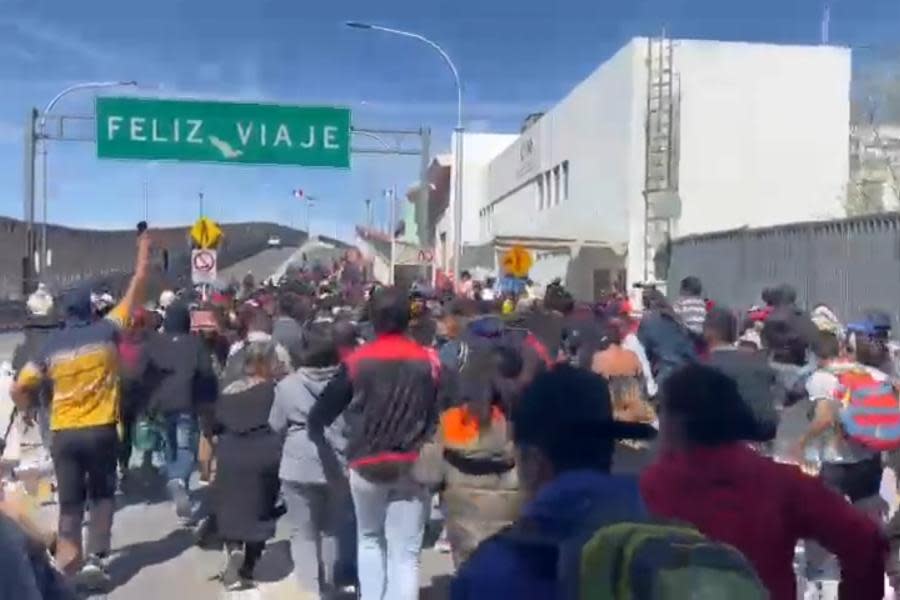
(610,334)
(781,295)
(465,275)
(721,324)
(707,405)
(318,347)
(691,286)
(260,359)
(259,320)
(826,346)
(488,379)
(287,304)
(655,301)
(785,344)
(558,298)
(390,311)
(346,334)
(871,351)
(453,325)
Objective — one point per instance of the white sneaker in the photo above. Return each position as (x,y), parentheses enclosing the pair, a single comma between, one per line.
(93,576)
(231,573)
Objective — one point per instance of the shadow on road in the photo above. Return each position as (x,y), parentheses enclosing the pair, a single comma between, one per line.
(130,560)
(142,486)
(275,563)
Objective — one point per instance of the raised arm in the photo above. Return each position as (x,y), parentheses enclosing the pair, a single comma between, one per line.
(137,288)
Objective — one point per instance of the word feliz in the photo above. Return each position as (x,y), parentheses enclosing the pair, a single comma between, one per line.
(190,131)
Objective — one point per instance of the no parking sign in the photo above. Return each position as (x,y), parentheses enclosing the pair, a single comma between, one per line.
(203,266)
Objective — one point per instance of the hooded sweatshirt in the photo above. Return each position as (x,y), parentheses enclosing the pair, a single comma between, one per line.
(180,366)
(566,507)
(309,455)
(762,508)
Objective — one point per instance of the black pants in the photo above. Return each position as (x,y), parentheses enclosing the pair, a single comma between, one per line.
(854,480)
(252,553)
(85,463)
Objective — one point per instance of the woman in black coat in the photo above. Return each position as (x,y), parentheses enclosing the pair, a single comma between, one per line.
(248,456)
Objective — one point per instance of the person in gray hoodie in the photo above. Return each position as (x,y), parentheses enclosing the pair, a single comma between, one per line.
(313,465)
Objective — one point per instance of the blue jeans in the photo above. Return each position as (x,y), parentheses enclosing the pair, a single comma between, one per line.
(390,524)
(182,438)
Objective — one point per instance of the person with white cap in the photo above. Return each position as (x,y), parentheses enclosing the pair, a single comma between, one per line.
(39,326)
(166,298)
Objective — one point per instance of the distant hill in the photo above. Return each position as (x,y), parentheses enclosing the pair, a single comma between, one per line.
(79,254)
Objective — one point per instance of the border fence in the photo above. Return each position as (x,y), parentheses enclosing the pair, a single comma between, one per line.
(851,265)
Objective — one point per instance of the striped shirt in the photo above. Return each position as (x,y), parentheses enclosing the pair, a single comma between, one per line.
(692,312)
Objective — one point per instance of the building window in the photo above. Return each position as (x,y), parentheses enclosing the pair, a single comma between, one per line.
(556,196)
(540,192)
(548,184)
(565,177)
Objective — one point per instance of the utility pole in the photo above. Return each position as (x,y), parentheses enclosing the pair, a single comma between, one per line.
(390,194)
(28,268)
(200,203)
(368,213)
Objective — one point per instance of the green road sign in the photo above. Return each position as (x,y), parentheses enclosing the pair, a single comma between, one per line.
(229,132)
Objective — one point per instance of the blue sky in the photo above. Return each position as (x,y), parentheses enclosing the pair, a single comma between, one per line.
(515,57)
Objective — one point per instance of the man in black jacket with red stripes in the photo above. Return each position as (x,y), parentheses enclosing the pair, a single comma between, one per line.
(389,392)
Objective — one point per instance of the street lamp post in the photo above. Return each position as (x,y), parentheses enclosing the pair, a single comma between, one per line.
(42,135)
(458,135)
(391,196)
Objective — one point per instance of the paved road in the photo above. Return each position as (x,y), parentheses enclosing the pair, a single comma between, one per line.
(262,265)
(154,559)
(8,343)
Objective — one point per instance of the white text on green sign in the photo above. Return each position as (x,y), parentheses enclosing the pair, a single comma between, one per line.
(205,131)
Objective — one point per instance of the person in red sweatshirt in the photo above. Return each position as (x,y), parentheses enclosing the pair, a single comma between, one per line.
(705,475)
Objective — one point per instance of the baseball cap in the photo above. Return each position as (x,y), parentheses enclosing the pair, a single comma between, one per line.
(873,324)
(567,402)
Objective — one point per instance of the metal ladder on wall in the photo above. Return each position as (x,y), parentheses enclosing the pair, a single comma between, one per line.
(661,201)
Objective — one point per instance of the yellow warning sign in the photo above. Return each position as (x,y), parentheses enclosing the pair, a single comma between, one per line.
(206,233)
(517,261)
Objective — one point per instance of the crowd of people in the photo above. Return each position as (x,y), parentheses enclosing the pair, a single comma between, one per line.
(579,450)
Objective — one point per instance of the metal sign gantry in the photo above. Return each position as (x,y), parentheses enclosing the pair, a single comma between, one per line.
(81,128)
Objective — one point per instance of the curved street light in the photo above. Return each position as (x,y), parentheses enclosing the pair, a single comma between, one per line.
(42,135)
(392,193)
(458,130)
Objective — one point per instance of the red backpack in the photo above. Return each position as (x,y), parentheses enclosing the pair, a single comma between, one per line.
(871,413)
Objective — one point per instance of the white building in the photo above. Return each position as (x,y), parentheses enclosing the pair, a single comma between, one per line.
(760,138)
(479,149)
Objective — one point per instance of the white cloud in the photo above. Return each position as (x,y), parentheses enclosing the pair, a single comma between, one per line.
(17,52)
(49,36)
